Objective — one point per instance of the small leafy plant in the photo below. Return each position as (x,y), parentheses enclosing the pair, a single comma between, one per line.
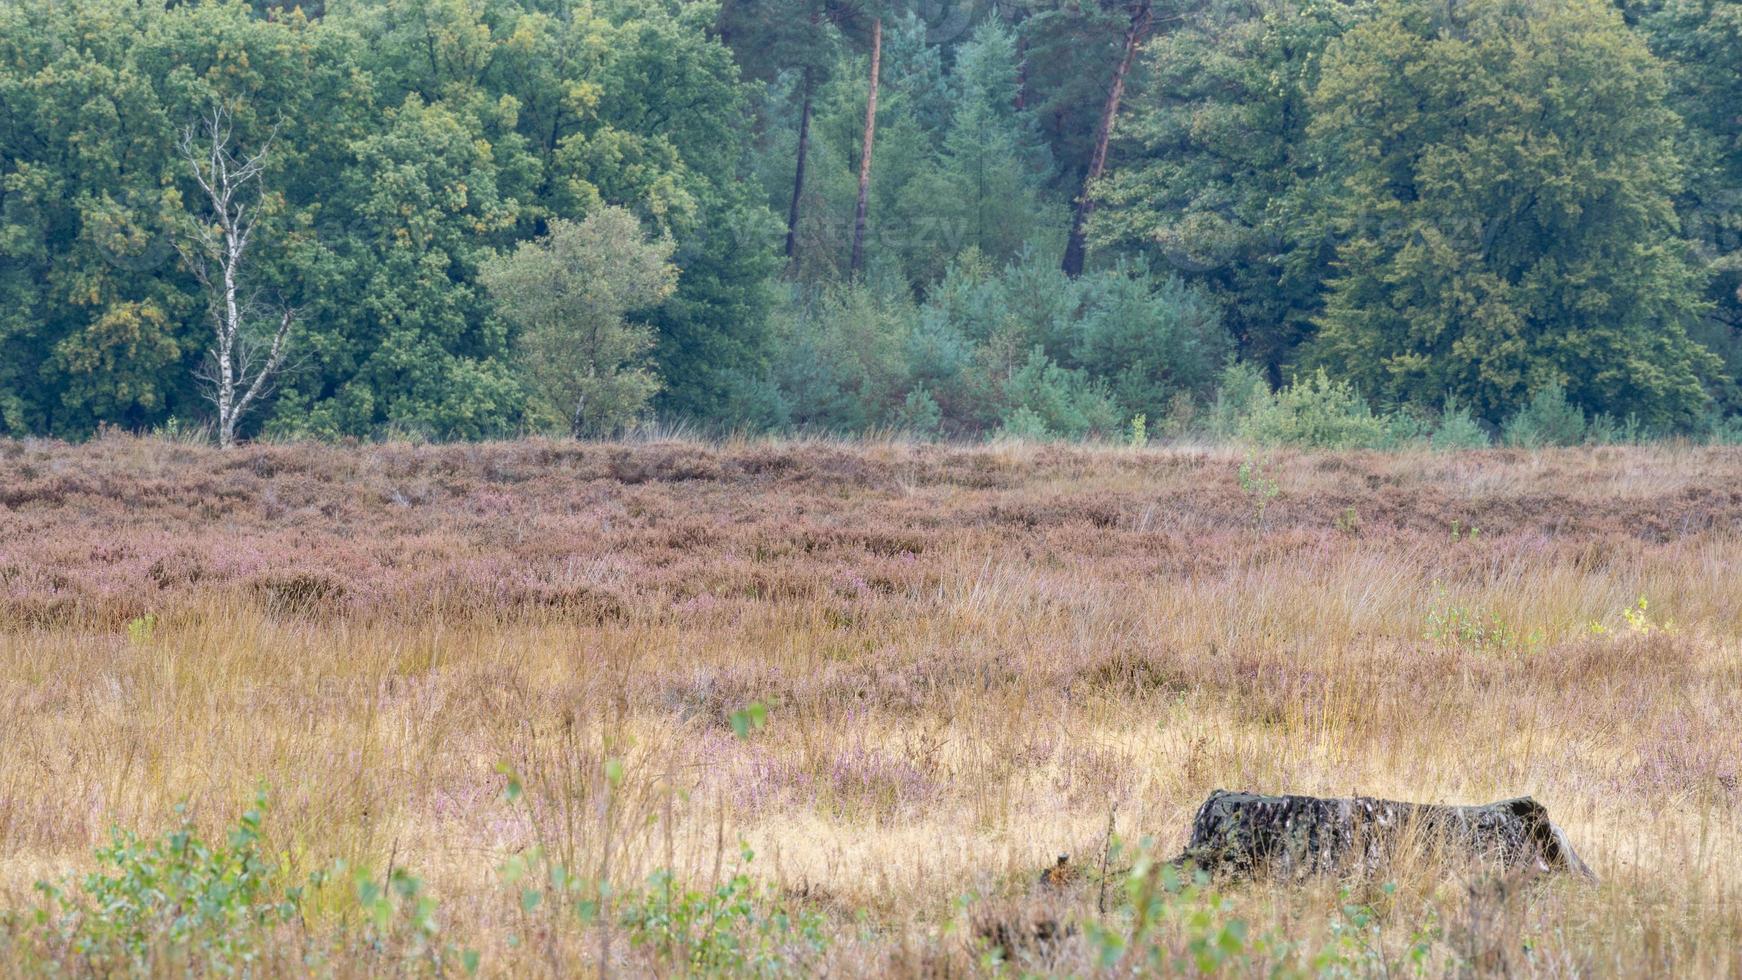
(141,628)
(1174,923)
(1358,947)
(750,718)
(738,928)
(1454,624)
(1258,485)
(180,903)
(1638,620)
(1178,924)
(1349,522)
(178,897)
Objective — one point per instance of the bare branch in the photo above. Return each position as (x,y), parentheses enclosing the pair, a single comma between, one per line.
(233,374)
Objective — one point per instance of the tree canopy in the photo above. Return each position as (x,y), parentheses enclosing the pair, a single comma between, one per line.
(1499,186)
(1452,210)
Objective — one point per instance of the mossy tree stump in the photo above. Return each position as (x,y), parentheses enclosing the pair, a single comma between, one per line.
(1245,834)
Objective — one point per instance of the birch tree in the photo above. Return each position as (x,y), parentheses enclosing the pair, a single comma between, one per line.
(249,340)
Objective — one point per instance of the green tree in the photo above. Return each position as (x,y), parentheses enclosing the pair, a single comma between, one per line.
(842,366)
(98,322)
(1069,53)
(793,43)
(404,340)
(989,186)
(1499,179)
(1044,400)
(1151,339)
(1701,42)
(1215,164)
(570,294)
(672,90)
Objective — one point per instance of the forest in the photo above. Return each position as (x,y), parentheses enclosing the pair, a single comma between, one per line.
(1338,223)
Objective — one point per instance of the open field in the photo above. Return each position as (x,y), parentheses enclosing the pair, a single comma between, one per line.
(968,657)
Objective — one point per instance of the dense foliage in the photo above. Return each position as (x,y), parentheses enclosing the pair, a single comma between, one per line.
(1439,216)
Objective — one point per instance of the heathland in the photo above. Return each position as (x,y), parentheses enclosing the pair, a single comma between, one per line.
(810,707)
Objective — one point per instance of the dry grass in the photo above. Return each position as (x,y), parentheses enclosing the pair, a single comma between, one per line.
(969,656)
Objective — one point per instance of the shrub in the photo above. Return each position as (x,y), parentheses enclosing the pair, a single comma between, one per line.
(1150,339)
(740,928)
(1548,419)
(1458,429)
(1259,485)
(1066,402)
(1240,390)
(1316,413)
(180,904)
(748,402)
(842,358)
(1182,925)
(1607,430)
(1403,428)
(178,897)
(919,414)
(1023,424)
(1724,430)
(940,361)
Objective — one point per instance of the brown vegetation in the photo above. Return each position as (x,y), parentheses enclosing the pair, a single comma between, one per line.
(968,656)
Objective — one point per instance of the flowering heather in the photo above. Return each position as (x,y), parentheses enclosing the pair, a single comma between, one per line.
(968,657)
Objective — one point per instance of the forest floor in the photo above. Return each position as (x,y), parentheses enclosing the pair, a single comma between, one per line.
(856,697)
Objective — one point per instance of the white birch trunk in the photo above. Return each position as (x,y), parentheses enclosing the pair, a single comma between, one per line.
(234,379)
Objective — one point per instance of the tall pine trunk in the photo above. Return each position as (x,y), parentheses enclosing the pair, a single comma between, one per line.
(858,259)
(1075,247)
(804,145)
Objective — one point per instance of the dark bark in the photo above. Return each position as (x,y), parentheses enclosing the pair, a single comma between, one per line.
(1244,835)
(858,257)
(804,144)
(1076,248)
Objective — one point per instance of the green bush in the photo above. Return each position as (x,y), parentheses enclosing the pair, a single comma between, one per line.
(1149,338)
(1458,429)
(178,897)
(919,414)
(180,904)
(1548,419)
(941,361)
(1240,389)
(1023,304)
(1177,923)
(1066,402)
(1607,430)
(1403,428)
(1315,413)
(740,928)
(749,403)
(1023,424)
(842,361)
(1724,430)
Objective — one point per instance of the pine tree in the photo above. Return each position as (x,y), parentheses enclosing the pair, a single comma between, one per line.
(990,189)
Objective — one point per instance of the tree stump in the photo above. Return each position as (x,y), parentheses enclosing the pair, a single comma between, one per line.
(1246,835)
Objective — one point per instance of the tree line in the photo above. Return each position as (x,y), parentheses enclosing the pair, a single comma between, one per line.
(1350,222)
